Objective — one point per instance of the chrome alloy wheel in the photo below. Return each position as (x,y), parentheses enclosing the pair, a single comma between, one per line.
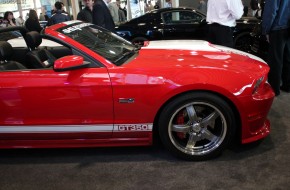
(197,128)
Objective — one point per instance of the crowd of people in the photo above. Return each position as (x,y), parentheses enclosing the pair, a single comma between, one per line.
(104,13)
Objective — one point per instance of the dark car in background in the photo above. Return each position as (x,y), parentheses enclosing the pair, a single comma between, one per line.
(260,44)
(180,23)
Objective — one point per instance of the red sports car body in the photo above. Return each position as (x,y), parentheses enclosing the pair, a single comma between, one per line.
(106,92)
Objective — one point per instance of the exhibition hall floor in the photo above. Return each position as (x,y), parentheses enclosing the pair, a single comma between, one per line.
(264,165)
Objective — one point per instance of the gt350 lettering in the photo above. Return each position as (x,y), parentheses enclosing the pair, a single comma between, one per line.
(133,127)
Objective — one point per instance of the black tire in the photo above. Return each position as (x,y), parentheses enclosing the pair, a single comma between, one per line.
(197,126)
(243,42)
(139,41)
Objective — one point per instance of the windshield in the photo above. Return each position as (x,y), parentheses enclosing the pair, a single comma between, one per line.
(105,43)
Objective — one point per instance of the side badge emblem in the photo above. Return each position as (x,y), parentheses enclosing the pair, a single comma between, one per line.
(126,100)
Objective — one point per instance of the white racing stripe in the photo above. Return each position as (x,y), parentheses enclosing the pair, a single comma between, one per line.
(239,52)
(55,128)
(194,45)
(197,45)
(75,128)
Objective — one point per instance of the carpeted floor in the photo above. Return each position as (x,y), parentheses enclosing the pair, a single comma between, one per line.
(258,166)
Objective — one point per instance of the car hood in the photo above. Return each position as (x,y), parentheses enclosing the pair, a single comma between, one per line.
(195,53)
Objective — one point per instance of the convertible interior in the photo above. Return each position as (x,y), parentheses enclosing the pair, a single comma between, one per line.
(30,51)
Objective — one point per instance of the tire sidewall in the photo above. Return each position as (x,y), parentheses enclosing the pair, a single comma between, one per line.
(241,36)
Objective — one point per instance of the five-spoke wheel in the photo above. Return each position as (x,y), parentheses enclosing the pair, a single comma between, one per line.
(196,126)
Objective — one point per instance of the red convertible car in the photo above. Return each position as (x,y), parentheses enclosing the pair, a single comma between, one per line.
(96,90)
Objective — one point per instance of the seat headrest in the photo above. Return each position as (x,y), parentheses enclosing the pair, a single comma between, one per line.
(6,50)
(33,39)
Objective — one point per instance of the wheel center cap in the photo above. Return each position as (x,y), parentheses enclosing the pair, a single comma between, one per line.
(196,128)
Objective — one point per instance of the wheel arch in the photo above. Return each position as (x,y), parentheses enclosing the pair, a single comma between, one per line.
(227,100)
(241,33)
(246,44)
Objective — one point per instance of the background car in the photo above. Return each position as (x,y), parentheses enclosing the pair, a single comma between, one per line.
(260,44)
(180,23)
(97,89)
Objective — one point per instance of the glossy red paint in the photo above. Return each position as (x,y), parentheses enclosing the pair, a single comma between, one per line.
(46,97)
(177,79)
(91,96)
(68,61)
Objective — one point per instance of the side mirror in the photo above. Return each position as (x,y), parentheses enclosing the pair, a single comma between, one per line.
(70,62)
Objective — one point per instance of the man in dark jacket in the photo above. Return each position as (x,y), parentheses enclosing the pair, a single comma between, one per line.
(276,26)
(86,14)
(102,16)
(59,15)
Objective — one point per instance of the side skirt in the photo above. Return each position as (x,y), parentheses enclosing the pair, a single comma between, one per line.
(76,143)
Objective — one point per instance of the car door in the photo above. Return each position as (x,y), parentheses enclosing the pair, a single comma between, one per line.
(183,24)
(43,103)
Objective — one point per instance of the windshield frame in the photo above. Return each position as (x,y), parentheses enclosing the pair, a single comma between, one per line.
(105,43)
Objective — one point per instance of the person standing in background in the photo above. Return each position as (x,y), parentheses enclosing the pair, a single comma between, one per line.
(202,6)
(102,16)
(148,6)
(221,18)
(46,17)
(86,14)
(32,23)
(254,6)
(26,17)
(122,17)
(276,27)
(114,10)
(41,17)
(246,10)
(124,10)
(19,21)
(157,4)
(8,19)
(59,15)
(167,3)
